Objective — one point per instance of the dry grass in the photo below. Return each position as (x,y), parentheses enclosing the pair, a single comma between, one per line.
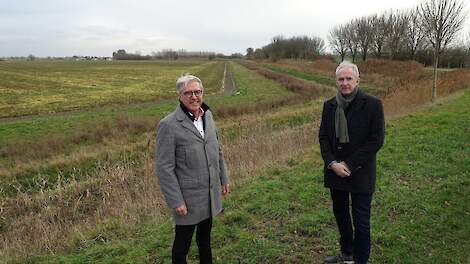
(306,89)
(392,76)
(249,154)
(46,222)
(325,65)
(414,94)
(121,126)
(321,66)
(405,70)
(260,107)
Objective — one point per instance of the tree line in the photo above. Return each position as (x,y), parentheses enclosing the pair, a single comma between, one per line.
(427,33)
(300,47)
(170,54)
(418,34)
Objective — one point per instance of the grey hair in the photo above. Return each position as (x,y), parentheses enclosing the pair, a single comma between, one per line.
(347,64)
(184,80)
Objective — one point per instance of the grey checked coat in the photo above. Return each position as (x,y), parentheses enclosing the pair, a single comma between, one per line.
(190,168)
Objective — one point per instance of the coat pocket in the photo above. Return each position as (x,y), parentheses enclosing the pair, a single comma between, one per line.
(189,184)
(195,156)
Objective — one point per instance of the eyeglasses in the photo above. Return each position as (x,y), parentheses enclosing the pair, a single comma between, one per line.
(196,93)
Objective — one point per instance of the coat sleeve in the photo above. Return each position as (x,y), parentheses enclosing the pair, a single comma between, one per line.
(165,165)
(324,138)
(224,177)
(223,174)
(374,142)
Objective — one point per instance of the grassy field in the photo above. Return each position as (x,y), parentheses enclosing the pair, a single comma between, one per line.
(107,173)
(38,87)
(33,144)
(35,127)
(420,209)
(80,185)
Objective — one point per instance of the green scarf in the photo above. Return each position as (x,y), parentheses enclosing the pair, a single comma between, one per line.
(341,123)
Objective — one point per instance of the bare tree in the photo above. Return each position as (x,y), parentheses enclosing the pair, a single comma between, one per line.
(351,39)
(338,42)
(380,31)
(396,37)
(466,42)
(249,53)
(414,35)
(299,47)
(454,56)
(315,46)
(260,54)
(276,49)
(442,19)
(363,28)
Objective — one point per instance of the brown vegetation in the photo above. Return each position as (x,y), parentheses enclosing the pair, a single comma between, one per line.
(391,75)
(127,192)
(53,145)
(407,84)
(321,66)
(260,107)
(307,89)
(401,70)
(45,221)
(415,94)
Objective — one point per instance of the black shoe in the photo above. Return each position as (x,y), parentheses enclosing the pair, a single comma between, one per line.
(341,258)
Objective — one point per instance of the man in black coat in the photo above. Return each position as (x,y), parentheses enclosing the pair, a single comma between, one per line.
(351,133)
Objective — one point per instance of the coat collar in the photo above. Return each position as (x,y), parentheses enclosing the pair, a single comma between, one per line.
(204,108)
(186,122)
(358,101)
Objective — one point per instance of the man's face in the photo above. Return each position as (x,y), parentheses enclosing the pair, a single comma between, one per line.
(346,81)
(189,97)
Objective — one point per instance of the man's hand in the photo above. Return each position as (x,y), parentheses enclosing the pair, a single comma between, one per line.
(346,166)
(341,169)
(181,210)
(225,189)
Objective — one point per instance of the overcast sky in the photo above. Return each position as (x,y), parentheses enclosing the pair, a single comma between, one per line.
(99,27)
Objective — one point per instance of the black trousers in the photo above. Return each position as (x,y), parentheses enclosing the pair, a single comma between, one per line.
(182,242)
(357,242)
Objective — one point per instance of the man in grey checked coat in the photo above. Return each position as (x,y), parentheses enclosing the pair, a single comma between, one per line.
(191,169)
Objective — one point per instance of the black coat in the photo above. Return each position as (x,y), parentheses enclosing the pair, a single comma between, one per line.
(366,136)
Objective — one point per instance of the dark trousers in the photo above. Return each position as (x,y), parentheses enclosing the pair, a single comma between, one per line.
(357,242)
(182,242)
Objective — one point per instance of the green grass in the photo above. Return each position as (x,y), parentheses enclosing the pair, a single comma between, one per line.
(135,90)
(41,87)
(34,128)
(302,75)
(420,209)
(253,89)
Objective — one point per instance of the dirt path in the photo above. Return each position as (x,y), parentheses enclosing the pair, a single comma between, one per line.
(228,83)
